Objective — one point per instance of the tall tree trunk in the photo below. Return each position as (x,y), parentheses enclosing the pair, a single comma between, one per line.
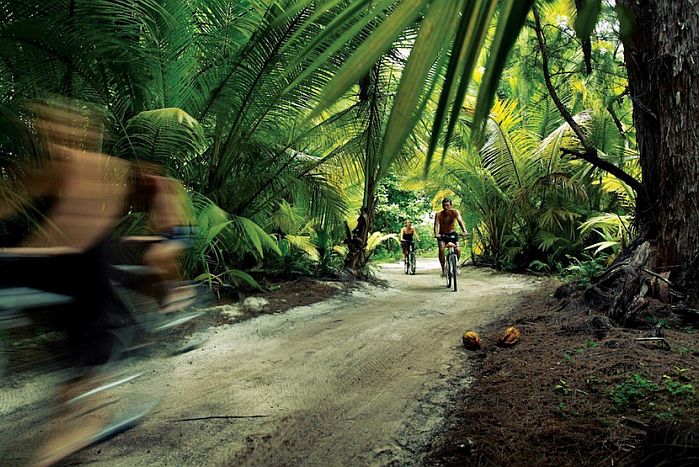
(370,105)
(663,70)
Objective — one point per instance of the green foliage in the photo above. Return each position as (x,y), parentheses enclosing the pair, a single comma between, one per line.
(305,249)
(587,18)
(376,239)
(195,87)
(589,344)
(636,392)
(613,229)
(678,389)
(224,240)
(466,21)
(632,392)
(395,205)
(275,114)
(563,387)
(583,270)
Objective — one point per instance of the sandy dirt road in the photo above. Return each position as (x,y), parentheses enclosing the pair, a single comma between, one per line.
(360,379)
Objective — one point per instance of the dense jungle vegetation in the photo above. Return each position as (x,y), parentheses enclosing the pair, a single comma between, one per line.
(305,132)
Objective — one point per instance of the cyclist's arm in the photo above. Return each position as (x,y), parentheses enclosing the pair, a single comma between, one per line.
(417,237)
(436,225)
(400,236)
(40,251)
(461,222)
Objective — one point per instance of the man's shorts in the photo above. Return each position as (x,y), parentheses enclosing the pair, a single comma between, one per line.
(452,237)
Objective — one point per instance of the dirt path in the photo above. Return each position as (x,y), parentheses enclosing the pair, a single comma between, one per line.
(359,379)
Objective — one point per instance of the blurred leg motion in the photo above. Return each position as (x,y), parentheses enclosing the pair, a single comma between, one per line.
(86,193)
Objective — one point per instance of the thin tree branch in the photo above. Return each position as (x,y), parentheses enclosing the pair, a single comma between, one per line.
(590,154)
(594,159)
(610,109)
(218,417)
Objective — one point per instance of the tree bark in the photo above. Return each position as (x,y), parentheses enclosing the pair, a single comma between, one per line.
(369,104)
(663,69)
(357,239)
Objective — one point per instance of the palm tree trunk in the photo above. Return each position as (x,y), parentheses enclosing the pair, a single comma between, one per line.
(357,239)
(369,97)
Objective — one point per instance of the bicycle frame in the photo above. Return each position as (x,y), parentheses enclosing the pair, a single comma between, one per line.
(450,263)
(24,306)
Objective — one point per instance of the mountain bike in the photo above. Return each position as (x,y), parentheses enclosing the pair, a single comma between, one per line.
(410,259)
(451,260)
(36,344)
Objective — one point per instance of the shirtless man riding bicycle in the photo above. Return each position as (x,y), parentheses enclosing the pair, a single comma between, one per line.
(444,229)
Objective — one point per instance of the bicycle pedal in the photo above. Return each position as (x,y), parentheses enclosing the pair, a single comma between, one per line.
(188,347)
(181,318)
(122,424)
(104,387)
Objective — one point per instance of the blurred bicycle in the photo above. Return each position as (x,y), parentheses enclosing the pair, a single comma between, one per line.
(72,288)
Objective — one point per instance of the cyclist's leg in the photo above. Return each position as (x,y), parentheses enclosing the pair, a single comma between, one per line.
(458,257)
(442,259)
(94,325)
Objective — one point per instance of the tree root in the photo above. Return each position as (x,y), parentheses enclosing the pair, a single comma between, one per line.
(631,289)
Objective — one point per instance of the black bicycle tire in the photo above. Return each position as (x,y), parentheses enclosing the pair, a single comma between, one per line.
(412,263)
(448,272)
(452,266)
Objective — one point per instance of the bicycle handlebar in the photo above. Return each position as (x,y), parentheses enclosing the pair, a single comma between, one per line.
(463,234)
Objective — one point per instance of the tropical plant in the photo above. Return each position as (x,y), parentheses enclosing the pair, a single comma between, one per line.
(193,86)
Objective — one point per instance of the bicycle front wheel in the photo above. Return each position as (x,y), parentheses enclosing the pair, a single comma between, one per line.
(452,269)
(412,263)
(448,268)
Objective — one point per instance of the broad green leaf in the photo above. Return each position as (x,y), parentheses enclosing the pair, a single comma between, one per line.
(434,33)
(370,51)
(512,17)
(336,45)
(475,37)
(344,17)
(626,21)
(161,135)
(214,231)
(242,276)
(305,244)
(376,239)
(259,238)
(603,245)
(450,82)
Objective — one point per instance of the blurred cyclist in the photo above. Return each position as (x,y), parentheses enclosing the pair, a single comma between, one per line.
(84,193)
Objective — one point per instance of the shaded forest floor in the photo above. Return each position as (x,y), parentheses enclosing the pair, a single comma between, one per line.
(573,393)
